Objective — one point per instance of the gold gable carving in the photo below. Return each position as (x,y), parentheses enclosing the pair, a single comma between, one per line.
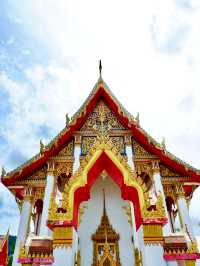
(140,152)
(68,150)
(89,141)
(93,121)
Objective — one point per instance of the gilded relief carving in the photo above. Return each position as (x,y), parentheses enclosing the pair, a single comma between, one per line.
(101,112)
(118,142)
(140,152)
(68,150)
(87,143)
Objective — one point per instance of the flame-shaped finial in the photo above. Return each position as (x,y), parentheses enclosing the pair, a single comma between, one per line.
(100,68)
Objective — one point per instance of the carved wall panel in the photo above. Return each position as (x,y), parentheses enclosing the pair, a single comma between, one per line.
(87,143)
(118,142)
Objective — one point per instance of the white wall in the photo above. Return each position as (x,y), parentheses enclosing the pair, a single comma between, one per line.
(118,219)
(154,255)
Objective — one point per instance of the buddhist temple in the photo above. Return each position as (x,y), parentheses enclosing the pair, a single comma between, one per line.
(103,192)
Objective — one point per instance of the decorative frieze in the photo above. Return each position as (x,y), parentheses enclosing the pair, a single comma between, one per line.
(153,234)
(62,236)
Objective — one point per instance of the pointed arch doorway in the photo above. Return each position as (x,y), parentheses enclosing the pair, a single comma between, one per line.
(105,237)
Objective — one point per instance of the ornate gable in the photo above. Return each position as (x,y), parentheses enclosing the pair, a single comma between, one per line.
(102,113)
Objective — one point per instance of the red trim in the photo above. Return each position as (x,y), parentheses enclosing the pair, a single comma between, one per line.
(162,221)
(186,256)
(4,252)
(137,132)
(127,193)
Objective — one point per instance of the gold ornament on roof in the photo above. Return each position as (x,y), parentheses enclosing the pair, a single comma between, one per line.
(163,144)
(42,146)
(67,120)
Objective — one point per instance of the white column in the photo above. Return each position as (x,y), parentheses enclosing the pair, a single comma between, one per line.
(183,211)
(135,235)
(65,254)
(23,226)
(129,151)
(160,191)
(138,237)
(44,230)
(77,153)
(140,233)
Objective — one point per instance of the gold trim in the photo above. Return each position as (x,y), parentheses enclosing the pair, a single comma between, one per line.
(62,236)
(79,179)
(153,234)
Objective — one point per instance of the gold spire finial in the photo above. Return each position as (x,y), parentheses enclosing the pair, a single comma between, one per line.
(100,68)
(67,120)
(138,118)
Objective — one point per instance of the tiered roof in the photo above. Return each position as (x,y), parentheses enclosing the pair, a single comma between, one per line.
(101,91)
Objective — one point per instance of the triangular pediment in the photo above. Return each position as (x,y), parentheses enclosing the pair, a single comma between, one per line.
(99,113)
(102,118)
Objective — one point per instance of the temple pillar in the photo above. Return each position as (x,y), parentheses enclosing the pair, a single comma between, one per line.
(65,246)
(140,234)
(138,240)
(129,151)
(183,211)
(160,191)
(77,153)
(44,230)
(23,225)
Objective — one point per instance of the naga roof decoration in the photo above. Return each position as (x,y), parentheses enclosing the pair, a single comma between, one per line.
(101,91)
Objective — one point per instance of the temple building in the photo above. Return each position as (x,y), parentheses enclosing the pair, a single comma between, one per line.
(104,193)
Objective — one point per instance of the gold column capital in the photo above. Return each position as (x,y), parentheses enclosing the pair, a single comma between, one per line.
(28,195)
(155,166)
(180,193)
(128,140)
(77,139)
(50,167)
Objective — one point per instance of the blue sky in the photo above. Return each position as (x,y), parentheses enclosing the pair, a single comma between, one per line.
(49,52)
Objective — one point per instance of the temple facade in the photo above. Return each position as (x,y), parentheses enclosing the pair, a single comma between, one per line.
(104,193)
